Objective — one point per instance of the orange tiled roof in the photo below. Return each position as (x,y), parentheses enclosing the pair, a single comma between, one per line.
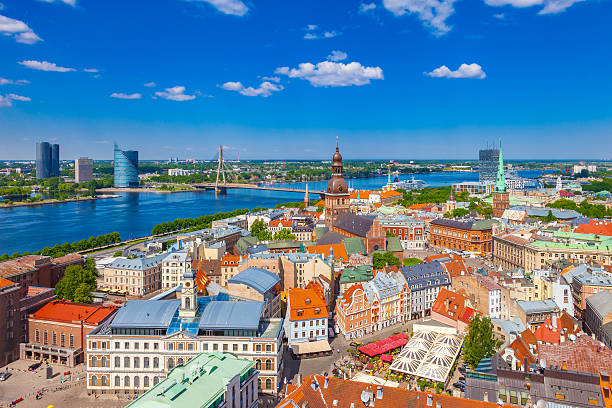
(452,305)
(202,281)
(455,268)
(521,347)
(422,206)
(317,392)
(442,258)
(5,282)
(230,260)
(304,304)
(363,194)
(18,265)
(338,249)
(390,193)
(584,355)
(67,258)
(318,289)
(67,312)
(596,227)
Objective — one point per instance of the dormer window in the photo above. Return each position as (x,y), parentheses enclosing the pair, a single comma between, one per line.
(300,312)
(317,310)
(307,301)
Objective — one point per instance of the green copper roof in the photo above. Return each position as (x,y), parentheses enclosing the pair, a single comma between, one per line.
(355,274)
(500,184)
(200,383)
(320,231)
(606,246)
(354,246)
(394,244)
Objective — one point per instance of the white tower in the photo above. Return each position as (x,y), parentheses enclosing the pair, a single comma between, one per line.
(189,297)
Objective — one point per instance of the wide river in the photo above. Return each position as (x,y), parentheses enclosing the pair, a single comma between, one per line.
(134,214)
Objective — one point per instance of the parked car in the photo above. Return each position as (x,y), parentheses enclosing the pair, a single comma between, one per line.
(4,376)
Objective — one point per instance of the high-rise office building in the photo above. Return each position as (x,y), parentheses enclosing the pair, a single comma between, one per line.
(126,168)
(488,160)
(47,160)
(55,172)
(83,170)
(43,160)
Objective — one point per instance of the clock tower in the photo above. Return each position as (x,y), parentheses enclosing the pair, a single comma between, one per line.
(189,297)
(337,197)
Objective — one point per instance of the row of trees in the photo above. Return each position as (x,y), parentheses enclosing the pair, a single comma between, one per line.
(78,282)
(585,208)
(196,223)
(260,230)
(60,250)
(597,186)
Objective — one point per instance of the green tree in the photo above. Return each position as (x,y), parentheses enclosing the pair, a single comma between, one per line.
(78,282)
(390,234)
(118,253)
(460,212)
(412,261)
(382,259)
(479,342)
(549,217)
(260,230)
(284,234)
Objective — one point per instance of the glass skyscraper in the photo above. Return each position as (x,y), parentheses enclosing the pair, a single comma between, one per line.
(126,168)
(47,160)
(488,160)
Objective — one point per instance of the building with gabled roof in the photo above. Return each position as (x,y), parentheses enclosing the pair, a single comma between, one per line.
(452,309)
(136,277)
(307,316)
(424,283)
(357,226)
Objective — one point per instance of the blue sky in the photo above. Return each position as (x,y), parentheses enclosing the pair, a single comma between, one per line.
(404,79)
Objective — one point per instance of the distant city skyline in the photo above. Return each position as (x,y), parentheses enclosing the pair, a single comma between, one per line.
(280,81)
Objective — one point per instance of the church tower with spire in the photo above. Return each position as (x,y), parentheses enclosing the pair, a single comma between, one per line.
(337,196)
(501,198)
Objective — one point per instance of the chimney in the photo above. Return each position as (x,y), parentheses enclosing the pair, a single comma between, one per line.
(379,392)
(314,385)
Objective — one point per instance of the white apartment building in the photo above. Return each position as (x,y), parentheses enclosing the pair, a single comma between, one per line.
(174,266)
(136,277)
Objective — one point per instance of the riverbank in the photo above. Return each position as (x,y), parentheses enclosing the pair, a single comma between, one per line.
(142,190)
(44,202)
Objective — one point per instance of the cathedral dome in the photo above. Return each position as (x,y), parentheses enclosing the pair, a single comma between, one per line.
(337,185)
(337,159)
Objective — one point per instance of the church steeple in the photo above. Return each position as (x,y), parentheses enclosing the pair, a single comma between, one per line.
(500,183)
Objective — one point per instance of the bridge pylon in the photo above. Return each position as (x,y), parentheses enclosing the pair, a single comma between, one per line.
(220,173)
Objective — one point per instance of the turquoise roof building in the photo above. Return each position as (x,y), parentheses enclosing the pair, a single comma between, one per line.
(209,380)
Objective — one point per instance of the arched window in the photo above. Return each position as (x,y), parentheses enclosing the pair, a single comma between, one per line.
(117,381)
(180,361)
(146,382)
(126,362)
(145,362)
(104,380)
(170,363)
(155,362)
(259,383)
(268,365)
(117,361)
(94,380)
(258,364)
(187,303)
(94,361)
(126,381)
(136,382)
(104,363)
(268,384)
(155,380)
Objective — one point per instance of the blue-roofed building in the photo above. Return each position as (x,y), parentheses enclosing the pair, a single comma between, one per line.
(146,339)
(259,285)
(424,282)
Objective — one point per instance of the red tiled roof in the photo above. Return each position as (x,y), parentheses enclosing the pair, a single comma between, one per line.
(68,312)
(18,265)
(67,259)
(584,355)
(338,249)
(597,227)
(443,258)
(304,304)
(385,345)
(546,335)
(455,268)
(452,305)
(342,393)
(36,290)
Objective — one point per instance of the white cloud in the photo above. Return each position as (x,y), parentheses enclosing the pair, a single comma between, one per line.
(69,2)
(311,27)
(45,66)
(233,7)
(365,7)
(329,73)
(102,141)
(337,56)
(432,12)
(472,71)
(94,70)
(265,89)
(176,93)
(7,101)
(310,36)
(4,81)
(273,79)
(549,6)
(121,95)
(150,84)
(500,16)
(18,29)
(330,34)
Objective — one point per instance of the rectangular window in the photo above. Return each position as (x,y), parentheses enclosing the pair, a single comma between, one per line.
(146,346)
(136,362)
(225,348)
(524,397)
(205,347)
(245,347)
(215,347)
(62,340)
(117,345)
(126,345)
(71,340)
(55,338)
(513,397)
